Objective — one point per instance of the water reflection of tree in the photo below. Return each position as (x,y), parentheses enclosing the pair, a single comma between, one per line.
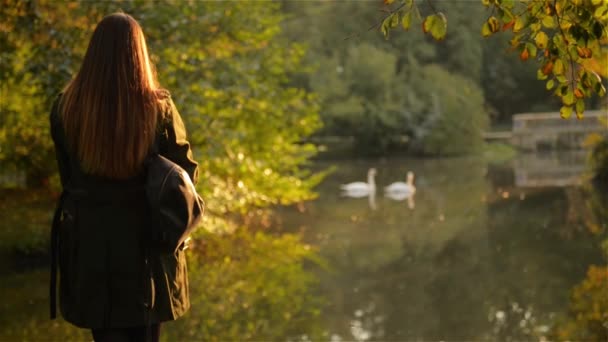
(250,286)
(538,258)
(399,269)
(245,286)
(587,317)
(498,270)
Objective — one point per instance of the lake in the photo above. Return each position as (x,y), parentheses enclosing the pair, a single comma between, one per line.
(480,252)
(486,252)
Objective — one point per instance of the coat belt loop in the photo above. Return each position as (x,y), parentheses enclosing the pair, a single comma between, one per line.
(54,252)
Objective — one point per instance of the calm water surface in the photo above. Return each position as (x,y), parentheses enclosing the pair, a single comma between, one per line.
(486,253)
(479,253)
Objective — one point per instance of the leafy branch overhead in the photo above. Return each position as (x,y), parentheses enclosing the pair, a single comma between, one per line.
(568,38)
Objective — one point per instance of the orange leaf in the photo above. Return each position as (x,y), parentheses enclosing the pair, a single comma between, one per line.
(584,52)
(578,93)
(547,68)
(508,25)
(524,55)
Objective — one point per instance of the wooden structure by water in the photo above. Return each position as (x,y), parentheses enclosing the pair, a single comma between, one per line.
(548,131)
(533,170)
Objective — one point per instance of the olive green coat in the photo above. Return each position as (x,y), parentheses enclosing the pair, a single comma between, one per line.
(103,280)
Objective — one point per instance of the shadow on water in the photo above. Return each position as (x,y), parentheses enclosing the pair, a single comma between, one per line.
(480,256)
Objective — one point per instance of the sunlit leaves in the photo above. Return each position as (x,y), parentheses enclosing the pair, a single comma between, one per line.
(578,38)
(588,308)
(228,74)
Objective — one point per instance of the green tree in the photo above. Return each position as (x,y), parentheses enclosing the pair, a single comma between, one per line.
(567,37)
(360,97)
(225,64)
(451,115)
(370,89)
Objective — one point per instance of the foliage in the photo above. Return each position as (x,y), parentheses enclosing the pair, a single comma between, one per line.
(588,316)
(510,85)
(498,153)
(598,158)
(361,96)
(250,286)
(449,121)
(225,64)
(25,222)
(567,37)
(381,93)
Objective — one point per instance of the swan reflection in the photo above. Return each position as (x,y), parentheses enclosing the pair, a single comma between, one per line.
(400,191)
(400,197)
(362,189)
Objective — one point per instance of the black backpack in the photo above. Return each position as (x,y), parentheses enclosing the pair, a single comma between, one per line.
(176,207)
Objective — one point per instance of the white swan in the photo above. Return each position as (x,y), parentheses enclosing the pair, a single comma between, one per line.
(400,190)
(360,189)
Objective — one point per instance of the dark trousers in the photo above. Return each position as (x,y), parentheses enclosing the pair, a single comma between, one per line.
(132,334)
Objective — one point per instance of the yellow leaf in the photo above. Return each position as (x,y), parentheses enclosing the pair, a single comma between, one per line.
(558,67)
(580,108)
(565,112)
(436,25)
(494,24)
(406,21)
(541,40)
(485,30)
(519,24)
(548,22)
(597,64)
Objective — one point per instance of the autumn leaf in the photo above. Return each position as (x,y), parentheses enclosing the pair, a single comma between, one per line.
(406,21)
(508,25)
(494,24)
(580,108)
(541,40)
(524,54)
(547,68)
(436,25)
(558,67)
(584,52)
(519,24)
(565,112)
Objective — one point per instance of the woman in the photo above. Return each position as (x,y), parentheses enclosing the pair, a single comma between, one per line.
(106,122)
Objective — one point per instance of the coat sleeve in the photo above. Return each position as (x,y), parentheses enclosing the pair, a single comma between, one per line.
(61,153)
(177,148)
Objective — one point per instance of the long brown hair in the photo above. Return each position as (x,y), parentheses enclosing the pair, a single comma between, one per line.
(109,109)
